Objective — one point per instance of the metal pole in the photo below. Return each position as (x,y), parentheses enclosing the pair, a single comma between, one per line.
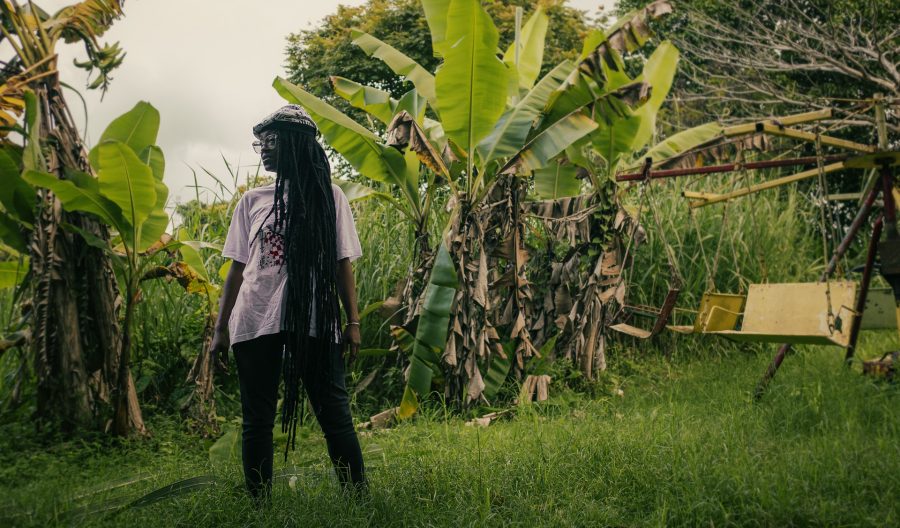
(858,221)
(770,372)
(764,186)
(855,226)
(889,249)
(864,288)
(890,208)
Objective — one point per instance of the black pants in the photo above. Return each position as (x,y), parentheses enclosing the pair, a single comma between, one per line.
(259,371)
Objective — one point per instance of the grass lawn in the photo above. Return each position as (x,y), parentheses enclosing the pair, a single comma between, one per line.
(682,445)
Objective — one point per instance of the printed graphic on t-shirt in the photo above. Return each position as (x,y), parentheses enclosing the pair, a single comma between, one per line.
(271,252)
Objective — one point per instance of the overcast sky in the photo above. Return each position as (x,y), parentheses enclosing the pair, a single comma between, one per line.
(208,66)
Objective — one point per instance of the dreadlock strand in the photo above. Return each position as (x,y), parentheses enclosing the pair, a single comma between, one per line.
(304,208)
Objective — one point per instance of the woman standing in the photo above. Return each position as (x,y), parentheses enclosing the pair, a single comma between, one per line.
(291,243)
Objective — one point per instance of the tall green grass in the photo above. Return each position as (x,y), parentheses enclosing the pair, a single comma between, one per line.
(683,445)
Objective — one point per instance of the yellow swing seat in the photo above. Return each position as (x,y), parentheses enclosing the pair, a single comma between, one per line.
(792,313)
(718,311)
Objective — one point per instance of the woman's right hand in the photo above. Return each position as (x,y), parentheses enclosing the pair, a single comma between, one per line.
(219,350)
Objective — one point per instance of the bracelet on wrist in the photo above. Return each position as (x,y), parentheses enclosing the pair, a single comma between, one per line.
(352,323)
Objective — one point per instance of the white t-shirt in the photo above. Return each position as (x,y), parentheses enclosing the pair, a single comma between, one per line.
(257,309)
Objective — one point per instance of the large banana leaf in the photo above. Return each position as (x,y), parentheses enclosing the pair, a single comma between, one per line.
(683,141)
(556,181)
(153,228)
(136,128)
(436,16)
(11,234)
(375,102)
(124,195)
(613,141)
(471,84)
(531,49)
(608,103)
(398,63)
(126,181)
(659,71)
(413,103)
(618,138)
(32,158)
(78,198)
(359,146)
(155,225)
(190,254)
(17,197)
(511,131)
(631,30)
(497,371)
(152,156)
(431,332)
(550,142)
(358,192)
(12,272)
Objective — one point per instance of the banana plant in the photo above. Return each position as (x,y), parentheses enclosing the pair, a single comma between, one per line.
(481,121)
(75,329)
(583,297)
(129,196)
(521,129)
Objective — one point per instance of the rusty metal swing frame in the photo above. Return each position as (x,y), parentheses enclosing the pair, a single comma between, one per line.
(889,249)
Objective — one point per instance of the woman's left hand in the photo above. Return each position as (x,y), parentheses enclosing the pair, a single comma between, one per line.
(352,341)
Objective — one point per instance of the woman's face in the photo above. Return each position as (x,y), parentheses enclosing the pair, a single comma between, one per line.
(268,149)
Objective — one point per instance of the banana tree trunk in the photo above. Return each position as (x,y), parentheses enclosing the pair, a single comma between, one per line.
(127,416)
(493,301)
(585,288)
(64,395)
(77,337)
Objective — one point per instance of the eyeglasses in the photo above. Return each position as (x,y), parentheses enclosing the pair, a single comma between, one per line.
(267,143)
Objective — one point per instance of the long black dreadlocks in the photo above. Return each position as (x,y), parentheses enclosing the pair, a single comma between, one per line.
(304,211)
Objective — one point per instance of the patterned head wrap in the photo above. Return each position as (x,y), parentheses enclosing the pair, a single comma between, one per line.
(290,116)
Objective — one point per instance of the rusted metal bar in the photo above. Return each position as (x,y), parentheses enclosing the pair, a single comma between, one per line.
(842,248)
(844,197)
(855,226)
(890,208)
(802,135)
(794,119)
(728,167)
(889,249)
(666,311)
(763,384)
(864,288)
(766,185)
